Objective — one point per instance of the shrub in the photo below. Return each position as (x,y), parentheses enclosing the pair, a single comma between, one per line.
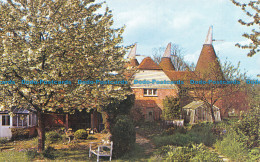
(171,108)
(53,136)
(169,131)
(123,135)
(3,140)
(181,130)
(230,146)
(19,133)
(193,153)
(248,128)
(180,154)
(203,154)
(81,134)
(200,133)
(254,154)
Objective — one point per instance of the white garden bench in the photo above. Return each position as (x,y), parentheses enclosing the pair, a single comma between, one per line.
(104,149)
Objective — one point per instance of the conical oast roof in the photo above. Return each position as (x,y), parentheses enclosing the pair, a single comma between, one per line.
(132,53)
(208,65)
(132,57)
(166,63)
(148,64)
(134,62)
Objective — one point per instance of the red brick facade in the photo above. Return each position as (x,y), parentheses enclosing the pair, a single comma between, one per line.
(152,106)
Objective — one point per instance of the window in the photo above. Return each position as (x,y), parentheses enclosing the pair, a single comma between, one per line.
(20,120)
(150,92)
(5,120)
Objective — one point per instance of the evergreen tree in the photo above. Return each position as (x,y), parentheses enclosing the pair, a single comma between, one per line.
(59,41)
(171,108)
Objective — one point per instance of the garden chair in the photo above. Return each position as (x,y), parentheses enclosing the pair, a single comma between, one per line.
(103,149)
(69,134)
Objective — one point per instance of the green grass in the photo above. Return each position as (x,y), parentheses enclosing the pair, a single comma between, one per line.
(136,154)
(231,148)
(13,156)
(201,133)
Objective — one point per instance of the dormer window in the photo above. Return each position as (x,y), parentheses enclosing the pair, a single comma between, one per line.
(150,92)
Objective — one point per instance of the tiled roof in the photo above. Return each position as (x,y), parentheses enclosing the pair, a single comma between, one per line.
(208,64)
(134,62)
(179,75)
(184,76)
(148,64)
(166,64)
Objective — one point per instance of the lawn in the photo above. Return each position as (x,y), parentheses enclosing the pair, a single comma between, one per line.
(24,150)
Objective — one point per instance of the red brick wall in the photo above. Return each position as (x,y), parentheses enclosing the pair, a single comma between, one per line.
(161,94)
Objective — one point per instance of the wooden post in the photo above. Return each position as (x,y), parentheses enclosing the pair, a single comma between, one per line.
(67,122)
(92,120)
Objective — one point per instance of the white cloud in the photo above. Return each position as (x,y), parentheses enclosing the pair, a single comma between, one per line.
(193,57)
(184,19)
(154,23)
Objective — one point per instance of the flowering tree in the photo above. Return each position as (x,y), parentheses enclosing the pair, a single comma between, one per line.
(54,44)
(252,11)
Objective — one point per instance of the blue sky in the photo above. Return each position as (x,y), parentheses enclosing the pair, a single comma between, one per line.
(155,23)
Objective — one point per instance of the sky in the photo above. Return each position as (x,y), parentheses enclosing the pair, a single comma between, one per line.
(154,23)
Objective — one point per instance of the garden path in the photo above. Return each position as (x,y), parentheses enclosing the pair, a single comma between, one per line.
(146,144)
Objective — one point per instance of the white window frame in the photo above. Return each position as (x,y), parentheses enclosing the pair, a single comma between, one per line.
(5,118)
(153,92)
(18,118)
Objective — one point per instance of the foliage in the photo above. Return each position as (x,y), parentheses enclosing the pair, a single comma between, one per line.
(194,153)
(203,154)
(138,116)
(200,133)
(116,108)
(254,154)
(19,133)
(171,108)
(174,129)
(3,140)
(248,128)
(53,136)
(214,93)
(169,131)
(240,142)
(55,44)
(123,135)
(81,134)
(252,10)
(231,147)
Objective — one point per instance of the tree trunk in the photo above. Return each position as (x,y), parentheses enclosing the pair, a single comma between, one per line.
(106,121)
(212,114)
(41,131)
